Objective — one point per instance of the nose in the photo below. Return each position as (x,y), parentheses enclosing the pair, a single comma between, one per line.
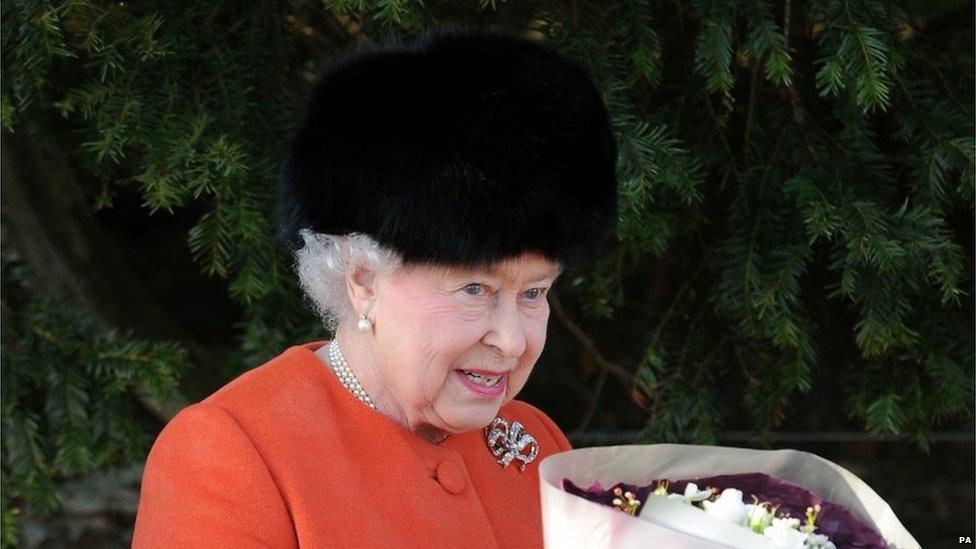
(505,331)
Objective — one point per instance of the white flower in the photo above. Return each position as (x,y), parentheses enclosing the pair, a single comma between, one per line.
(728,507)
(819,541)
(785,533)
(692,494)
(758,517)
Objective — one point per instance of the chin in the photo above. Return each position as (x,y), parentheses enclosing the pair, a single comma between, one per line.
(471,418)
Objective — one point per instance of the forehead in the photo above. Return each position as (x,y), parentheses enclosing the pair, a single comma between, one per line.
(531,266)
(526,267)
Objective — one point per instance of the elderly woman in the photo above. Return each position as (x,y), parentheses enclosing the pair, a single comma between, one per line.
(435,192)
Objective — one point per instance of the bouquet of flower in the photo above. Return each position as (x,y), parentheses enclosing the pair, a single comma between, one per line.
(681,496)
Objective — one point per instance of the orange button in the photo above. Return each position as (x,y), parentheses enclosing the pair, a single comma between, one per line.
(451,477)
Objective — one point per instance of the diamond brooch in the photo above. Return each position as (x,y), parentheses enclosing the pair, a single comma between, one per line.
(509,442)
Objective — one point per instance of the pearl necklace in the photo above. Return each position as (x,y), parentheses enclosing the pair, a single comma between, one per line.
(342,370)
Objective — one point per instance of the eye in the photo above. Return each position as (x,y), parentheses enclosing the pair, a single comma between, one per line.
(535,293)
(474,288)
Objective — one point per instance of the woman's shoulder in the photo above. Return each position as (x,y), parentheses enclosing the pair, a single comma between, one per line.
(211,471)
(204,479)
(267,399)
(293,368)
(196,434)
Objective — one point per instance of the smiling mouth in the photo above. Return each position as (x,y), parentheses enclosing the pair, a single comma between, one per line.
(483,380)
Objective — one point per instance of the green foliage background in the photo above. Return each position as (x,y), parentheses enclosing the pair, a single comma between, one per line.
(797,196)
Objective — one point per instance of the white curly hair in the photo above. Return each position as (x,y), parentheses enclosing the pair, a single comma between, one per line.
(323,262)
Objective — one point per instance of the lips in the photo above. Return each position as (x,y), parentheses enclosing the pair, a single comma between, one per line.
(483,383)
(482,377)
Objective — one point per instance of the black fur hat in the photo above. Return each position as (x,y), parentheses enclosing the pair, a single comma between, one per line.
(459,149)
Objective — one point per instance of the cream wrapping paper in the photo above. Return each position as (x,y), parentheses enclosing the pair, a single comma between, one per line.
(570,522)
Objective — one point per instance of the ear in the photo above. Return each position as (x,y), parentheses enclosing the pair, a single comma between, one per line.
(360,285)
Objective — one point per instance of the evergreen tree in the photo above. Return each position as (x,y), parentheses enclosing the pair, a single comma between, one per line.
(70,395)
(796,179)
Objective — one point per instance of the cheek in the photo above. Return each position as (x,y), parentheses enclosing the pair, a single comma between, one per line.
(441,335)
(536,324)
(452,324)
(425,315)
(535,327)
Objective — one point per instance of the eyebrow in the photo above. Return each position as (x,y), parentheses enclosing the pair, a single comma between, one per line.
(541,276)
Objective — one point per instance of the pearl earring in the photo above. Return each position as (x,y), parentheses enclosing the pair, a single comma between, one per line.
(364,325)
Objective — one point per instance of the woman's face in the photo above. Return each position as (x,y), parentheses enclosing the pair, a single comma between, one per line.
(453,345)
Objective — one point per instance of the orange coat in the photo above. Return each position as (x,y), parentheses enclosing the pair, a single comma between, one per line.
(285,456)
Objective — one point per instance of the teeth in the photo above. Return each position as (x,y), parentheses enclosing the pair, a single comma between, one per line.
(488,381)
